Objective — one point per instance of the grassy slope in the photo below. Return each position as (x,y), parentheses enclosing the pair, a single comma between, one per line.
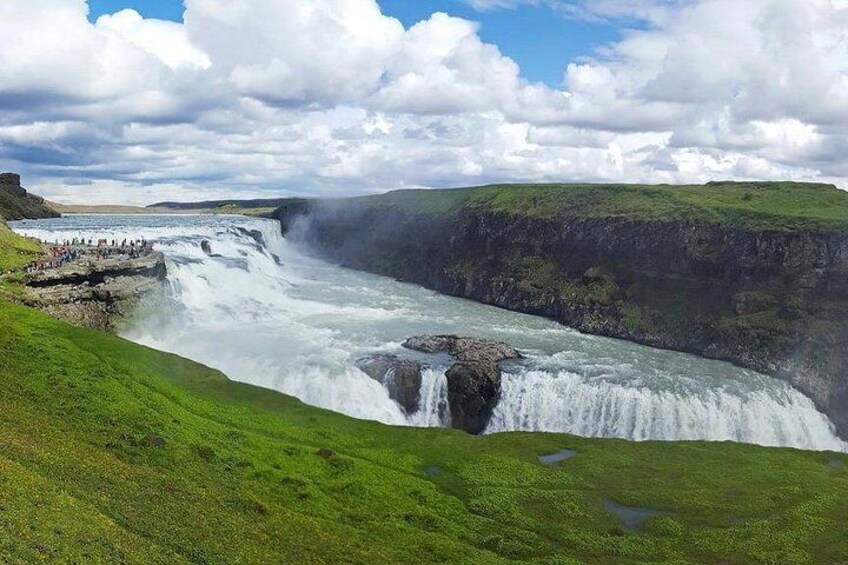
(113,452)
(777,205)
(15,251)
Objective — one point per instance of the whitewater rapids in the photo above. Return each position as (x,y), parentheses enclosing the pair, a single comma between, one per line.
(264,313)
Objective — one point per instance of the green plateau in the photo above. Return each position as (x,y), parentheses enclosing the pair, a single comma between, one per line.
(759,205)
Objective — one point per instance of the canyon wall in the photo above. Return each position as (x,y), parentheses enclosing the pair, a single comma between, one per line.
(16,203)
(767,295)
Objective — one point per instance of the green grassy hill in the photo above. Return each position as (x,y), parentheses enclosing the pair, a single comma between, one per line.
(111,452)
(760,205)
(15,251)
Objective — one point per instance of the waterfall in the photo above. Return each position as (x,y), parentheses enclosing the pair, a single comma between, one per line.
(433,409)
(594,407)
(251,304)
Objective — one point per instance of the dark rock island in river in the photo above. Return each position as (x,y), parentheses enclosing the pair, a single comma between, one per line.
(474,377)
(401,377)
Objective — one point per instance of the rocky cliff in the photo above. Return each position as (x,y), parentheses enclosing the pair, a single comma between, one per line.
(755,274)
(17,204)
(96,294)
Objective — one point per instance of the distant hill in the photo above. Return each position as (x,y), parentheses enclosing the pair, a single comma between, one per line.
(214,204)
(113,209)
(245,207)
(17,204)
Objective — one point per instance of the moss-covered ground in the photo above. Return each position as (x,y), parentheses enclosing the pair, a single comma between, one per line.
(753,205)
(110,451)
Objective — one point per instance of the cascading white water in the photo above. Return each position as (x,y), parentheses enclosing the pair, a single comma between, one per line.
(566,402)
(264,313)
(433,408)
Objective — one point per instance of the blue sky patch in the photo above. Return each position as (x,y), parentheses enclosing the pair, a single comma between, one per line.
(541,41)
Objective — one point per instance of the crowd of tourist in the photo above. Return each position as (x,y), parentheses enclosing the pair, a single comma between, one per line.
(73,249)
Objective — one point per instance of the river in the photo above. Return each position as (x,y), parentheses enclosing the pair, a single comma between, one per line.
(265,313)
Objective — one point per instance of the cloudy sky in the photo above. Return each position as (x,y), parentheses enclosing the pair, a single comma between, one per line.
(136,101)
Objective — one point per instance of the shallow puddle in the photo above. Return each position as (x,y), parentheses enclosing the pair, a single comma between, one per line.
(632,517)
(836,464)
(555,458)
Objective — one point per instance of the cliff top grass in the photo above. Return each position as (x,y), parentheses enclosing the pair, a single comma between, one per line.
(759,205)
(112,452)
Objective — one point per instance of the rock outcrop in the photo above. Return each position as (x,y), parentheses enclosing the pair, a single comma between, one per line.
(17,204)
(96,294)
(474,379)
(474,390)
(255,235)
(465,349)
(768,291)
(400,377)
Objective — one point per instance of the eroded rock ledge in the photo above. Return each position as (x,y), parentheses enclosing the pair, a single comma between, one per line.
(93,293)
(401,377)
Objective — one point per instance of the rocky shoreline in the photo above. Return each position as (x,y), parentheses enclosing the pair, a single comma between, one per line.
(95,293)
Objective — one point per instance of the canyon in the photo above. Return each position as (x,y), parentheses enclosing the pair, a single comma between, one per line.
(751,273)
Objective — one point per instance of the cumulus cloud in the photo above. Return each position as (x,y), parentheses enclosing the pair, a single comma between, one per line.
(333,97)
(167,41)
(296,51)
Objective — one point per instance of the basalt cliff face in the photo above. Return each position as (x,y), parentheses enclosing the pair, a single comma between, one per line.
(16,203)
(761,292)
